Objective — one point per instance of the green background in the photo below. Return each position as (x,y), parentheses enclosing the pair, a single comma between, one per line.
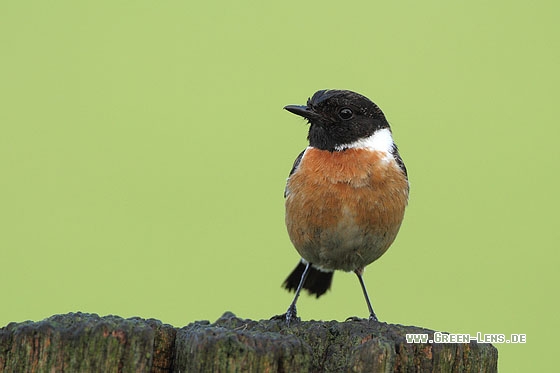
(144,152)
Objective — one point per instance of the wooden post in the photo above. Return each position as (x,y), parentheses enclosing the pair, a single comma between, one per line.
(88,343)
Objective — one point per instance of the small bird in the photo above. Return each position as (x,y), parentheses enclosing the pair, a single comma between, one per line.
(346,193)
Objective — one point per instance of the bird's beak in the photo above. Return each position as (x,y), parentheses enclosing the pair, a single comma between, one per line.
(302,111)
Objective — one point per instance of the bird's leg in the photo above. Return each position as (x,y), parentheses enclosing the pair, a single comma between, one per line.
(359,272)
(292,312)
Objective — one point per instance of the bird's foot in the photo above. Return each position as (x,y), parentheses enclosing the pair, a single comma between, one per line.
(288,317)
(355,318)
(291,315)
(371,317)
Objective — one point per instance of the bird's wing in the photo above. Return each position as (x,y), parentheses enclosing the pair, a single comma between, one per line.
(294,168)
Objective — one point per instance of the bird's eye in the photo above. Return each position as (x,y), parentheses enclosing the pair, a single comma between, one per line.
(345,113)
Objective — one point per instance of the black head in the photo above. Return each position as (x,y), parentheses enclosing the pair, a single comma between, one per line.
(339,117)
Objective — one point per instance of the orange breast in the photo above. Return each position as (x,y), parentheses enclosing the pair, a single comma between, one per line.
(344,209)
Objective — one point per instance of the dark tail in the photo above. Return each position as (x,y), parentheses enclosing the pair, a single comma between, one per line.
(317,282)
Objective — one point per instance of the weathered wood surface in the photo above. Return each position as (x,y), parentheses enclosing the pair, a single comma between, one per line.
(78,342)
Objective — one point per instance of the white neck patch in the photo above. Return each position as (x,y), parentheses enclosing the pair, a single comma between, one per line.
(381,141)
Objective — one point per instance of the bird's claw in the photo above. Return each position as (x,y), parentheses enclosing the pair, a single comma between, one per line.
(291,315)
(371,317)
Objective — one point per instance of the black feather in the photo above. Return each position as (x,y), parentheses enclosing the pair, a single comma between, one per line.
(317,282)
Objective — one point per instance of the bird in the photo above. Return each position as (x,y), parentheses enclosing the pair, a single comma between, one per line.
(346,194)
